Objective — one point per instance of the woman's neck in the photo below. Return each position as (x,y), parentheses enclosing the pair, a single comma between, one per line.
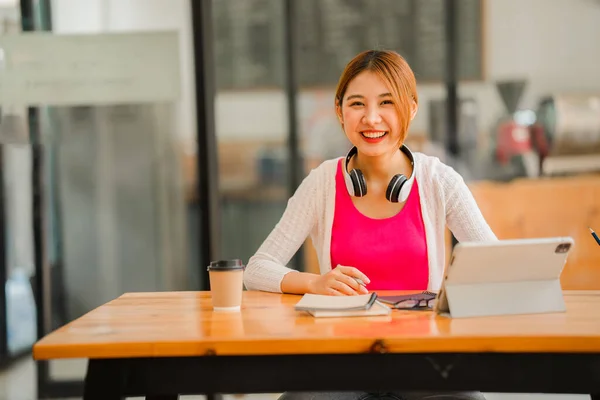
(380,169)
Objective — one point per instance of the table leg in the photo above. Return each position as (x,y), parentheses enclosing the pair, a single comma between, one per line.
(103,381)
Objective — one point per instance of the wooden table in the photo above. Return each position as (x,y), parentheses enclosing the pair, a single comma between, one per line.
(164,344)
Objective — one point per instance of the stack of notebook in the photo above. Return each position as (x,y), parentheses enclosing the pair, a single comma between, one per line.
(342,306)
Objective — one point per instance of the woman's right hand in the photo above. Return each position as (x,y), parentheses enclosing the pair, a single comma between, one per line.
(340,281)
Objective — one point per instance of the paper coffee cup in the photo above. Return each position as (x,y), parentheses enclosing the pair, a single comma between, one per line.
(226,284)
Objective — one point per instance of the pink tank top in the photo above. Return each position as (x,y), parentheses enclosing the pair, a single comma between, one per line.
(392,252)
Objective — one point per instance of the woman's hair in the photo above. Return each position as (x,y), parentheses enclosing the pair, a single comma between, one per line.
(393,69)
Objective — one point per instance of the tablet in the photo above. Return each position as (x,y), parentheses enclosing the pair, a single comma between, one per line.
(514,260)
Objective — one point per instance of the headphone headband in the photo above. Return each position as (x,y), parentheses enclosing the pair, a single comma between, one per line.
(398,189)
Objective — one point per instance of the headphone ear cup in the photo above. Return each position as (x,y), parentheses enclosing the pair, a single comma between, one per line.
(358,183)
(392,192)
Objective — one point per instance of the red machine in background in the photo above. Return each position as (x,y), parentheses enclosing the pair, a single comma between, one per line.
(518,133)
(561,137)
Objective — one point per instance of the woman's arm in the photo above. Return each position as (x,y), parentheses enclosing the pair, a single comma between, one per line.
(299,282)
(266,270)
(340,281)
(463,216)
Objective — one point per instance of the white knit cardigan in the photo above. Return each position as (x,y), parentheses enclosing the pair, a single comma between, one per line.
(445,200)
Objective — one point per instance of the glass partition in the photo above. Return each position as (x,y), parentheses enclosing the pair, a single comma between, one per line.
(251,118)
(110,159)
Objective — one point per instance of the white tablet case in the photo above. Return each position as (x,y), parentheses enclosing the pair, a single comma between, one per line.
(505,277)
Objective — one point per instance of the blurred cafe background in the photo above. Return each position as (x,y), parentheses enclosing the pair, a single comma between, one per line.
(106,190)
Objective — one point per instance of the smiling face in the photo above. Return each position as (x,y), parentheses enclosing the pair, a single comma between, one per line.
(369,117)
(375,100)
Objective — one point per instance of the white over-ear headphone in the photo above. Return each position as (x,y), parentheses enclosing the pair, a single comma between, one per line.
(398,189)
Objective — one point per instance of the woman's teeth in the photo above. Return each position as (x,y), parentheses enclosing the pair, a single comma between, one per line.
(373,135)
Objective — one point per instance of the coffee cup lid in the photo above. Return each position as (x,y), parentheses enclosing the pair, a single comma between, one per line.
(226,265)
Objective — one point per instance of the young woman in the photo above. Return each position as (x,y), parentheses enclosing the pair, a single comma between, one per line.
(379,214)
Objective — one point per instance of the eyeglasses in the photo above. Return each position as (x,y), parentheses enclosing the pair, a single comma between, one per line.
(417,301)
(416,304)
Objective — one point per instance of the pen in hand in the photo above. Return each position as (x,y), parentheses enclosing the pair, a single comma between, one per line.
(363,284)
(594,235)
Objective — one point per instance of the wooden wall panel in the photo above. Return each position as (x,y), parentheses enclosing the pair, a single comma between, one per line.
(548,207)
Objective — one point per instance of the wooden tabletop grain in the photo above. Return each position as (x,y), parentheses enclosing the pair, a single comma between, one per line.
(168,324)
